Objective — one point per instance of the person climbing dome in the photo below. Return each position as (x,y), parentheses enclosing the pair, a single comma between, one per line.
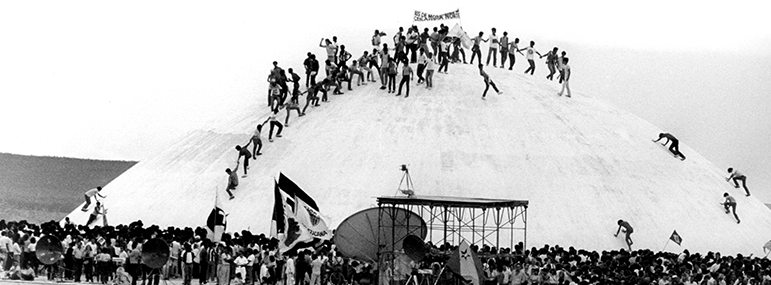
(312,98)
(730,203)
(674,147)
(289,106)
(98,210)
(628,230)
(488,82)
(296,86)
(243,151)
(738,176)
(274,123)
(256,142)
(551,62)
(232,182)
(92,193)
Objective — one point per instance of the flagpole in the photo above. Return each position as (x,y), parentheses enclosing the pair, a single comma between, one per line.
(440,274)
(665,245)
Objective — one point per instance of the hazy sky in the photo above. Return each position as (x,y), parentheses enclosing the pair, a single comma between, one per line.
(121,80)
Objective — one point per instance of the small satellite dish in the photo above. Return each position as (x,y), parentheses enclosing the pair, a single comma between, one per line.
(49,250)
(414,248)
(155,253)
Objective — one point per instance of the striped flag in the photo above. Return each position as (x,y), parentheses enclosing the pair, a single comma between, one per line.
(217,221)
(466,263)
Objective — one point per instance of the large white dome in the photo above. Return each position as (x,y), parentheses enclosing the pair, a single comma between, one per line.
(581,163)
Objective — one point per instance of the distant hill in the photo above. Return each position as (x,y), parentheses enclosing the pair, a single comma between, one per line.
(39,189)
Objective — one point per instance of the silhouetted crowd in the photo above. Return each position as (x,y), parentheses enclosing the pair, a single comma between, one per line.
(114,255)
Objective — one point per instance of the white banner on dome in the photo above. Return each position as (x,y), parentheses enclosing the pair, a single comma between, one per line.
(422,16)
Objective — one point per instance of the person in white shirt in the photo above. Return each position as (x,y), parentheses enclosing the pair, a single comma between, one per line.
(530,57)
(289,271)
(430,65)
(331,49)
(738,176)
(493,39)
(376,39)
(92,193)
(422,59)
(566,78)
(241,263)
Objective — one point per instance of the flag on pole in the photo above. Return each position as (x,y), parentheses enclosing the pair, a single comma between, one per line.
(277,224)
(458,32)
(767,246)
(466,263)
(675,237)
(216,222)
(293,232)
(305,210)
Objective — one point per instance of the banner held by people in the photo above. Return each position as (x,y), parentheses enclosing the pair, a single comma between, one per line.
(423,16)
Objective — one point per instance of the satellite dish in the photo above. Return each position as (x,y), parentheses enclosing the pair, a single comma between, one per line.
(49,250)
(155,253)
(414,248)
(357,236)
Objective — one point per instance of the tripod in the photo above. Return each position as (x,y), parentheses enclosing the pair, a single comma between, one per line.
(407,182)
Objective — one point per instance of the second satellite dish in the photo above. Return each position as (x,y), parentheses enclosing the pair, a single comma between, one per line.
(49,250)
(155,253)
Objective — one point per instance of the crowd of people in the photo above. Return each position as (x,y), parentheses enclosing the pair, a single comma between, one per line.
(424,49)
(114,255)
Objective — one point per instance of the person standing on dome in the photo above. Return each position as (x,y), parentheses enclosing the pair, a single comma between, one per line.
(376,39)
(730,203)
(493,50)
(475,52)
(565,76)
(738,176)
(406,78)
(674,147)
(628,230)
(513,49)
(430,66)
(531,52)
(331,49)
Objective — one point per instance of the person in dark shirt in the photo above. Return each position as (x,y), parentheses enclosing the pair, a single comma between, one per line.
(243,151)
(232,182)
(674,147)
(628,230)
